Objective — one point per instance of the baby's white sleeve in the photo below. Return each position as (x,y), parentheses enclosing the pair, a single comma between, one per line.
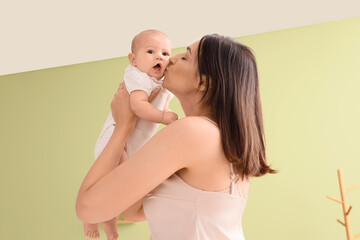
(134,81)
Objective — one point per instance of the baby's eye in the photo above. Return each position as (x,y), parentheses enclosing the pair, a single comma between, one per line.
(150,51)
(165,54)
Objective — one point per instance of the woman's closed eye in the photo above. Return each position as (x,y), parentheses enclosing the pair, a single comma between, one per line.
(185,56)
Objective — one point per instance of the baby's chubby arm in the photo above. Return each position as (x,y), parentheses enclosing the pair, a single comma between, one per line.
(141,107)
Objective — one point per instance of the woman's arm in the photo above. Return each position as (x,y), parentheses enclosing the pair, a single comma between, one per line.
(110,156)
(173,148)
(135,212)
(107,192)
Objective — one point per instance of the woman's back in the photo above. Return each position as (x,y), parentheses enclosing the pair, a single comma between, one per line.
(211,173)
(182,207)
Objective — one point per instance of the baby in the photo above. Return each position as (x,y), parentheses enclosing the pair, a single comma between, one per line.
(150,53)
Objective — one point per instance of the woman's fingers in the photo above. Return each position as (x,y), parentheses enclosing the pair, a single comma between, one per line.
(153,94)
(121,86)
(120,94)
(167,102)
(120,107)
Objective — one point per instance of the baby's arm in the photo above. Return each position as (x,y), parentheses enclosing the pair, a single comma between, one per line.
(141,107)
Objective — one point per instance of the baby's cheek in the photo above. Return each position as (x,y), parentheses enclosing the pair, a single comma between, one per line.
(166,63)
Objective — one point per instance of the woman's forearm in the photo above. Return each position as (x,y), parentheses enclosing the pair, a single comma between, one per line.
(105,163)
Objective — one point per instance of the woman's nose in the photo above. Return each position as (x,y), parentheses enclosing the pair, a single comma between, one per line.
(172,60)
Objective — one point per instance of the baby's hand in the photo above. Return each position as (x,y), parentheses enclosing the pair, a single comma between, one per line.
(169,117)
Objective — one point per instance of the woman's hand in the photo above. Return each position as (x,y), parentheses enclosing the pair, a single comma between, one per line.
(120,109)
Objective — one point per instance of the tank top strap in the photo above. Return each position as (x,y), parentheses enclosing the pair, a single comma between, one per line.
(210,120)
(233,177)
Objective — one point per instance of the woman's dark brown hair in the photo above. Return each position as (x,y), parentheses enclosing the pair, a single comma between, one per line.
(232,91)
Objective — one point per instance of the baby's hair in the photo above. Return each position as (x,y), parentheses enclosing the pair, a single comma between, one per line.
(136,39)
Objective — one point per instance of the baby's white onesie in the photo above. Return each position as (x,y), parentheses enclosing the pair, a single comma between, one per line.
(134,79)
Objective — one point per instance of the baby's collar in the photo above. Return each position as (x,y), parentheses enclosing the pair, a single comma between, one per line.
(133,68)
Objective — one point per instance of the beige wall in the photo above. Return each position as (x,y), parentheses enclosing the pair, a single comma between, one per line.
(41,34)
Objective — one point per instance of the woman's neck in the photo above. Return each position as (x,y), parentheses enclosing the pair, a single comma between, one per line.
(194,108)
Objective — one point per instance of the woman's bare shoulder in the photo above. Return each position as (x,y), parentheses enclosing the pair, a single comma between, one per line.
(195,124)
(198,135)
(198,128)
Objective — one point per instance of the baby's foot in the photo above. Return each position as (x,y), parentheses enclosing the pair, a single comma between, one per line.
(91,230)
(110,228)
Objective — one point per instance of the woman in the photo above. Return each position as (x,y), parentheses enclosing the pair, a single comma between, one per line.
(179,181)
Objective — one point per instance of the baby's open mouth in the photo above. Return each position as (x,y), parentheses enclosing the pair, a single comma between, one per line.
(157,67)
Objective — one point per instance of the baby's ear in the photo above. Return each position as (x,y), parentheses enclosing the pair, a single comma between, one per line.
(131,57)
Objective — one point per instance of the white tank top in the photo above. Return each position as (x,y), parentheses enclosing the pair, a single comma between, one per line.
(176,210)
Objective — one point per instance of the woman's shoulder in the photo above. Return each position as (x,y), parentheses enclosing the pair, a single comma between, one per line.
(194,123)
(187,141)
(197,130)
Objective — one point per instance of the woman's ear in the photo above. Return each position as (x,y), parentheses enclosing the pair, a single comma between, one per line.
(202,83)
(132,61)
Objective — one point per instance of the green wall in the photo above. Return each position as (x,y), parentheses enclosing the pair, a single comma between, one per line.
(309,83)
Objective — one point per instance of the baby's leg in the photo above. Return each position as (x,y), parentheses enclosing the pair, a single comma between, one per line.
(91,230)
(110,228)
